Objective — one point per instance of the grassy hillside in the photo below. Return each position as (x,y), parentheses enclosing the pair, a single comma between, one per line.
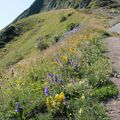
(46,27)
(71,76)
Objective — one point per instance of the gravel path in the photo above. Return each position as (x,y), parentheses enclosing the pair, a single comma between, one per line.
(113,45)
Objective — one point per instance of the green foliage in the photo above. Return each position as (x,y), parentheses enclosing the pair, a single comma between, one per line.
(8,34)
(105,92)
(63,18)
(42,44)
(57,38)
(71,88)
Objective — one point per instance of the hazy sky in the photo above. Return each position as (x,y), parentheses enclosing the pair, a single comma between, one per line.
(10,9)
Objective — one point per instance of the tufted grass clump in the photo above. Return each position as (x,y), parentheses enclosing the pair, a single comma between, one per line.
(43,44)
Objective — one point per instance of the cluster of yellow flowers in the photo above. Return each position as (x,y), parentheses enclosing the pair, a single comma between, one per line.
(49,101)
(54,63)
(59,97)
(52,102)
(72,50)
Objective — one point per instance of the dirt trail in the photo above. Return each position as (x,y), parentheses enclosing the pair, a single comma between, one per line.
(113,45)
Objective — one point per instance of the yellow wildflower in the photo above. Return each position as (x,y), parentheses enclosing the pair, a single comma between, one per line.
(65,59)
(80,111)
(49,101)
(54,63)
(53,104)
(70,114)
(81,82)
(61,96)
(60,65)
(57,97)
(72,50)
(83,97)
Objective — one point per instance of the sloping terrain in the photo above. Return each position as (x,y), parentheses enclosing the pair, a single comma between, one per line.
(9,32)
(46,27)
(54,65)
(69,78)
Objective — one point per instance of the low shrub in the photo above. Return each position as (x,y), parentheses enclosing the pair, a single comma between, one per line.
(70,14)
(63,18)
(71,26)
(57,38)
(42,44)
(105,93)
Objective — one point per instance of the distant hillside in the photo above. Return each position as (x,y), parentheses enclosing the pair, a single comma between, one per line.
(45,5)
(40,5)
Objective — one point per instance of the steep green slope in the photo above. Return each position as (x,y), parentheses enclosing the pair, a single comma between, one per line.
(33,29)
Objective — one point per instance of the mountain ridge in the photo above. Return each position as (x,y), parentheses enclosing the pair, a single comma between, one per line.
(45,5)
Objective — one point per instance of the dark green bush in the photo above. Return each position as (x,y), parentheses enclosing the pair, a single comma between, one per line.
(70,14)
(63,18)
(9,34)
(57,38)
(71,26)
(42,44)
(105,93)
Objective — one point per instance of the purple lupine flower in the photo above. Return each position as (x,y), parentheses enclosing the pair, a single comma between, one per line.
(57,60)
(50,75)
(71,61)
(61,82)
(46,91)
(75,63)
(55,79)
(18,108)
